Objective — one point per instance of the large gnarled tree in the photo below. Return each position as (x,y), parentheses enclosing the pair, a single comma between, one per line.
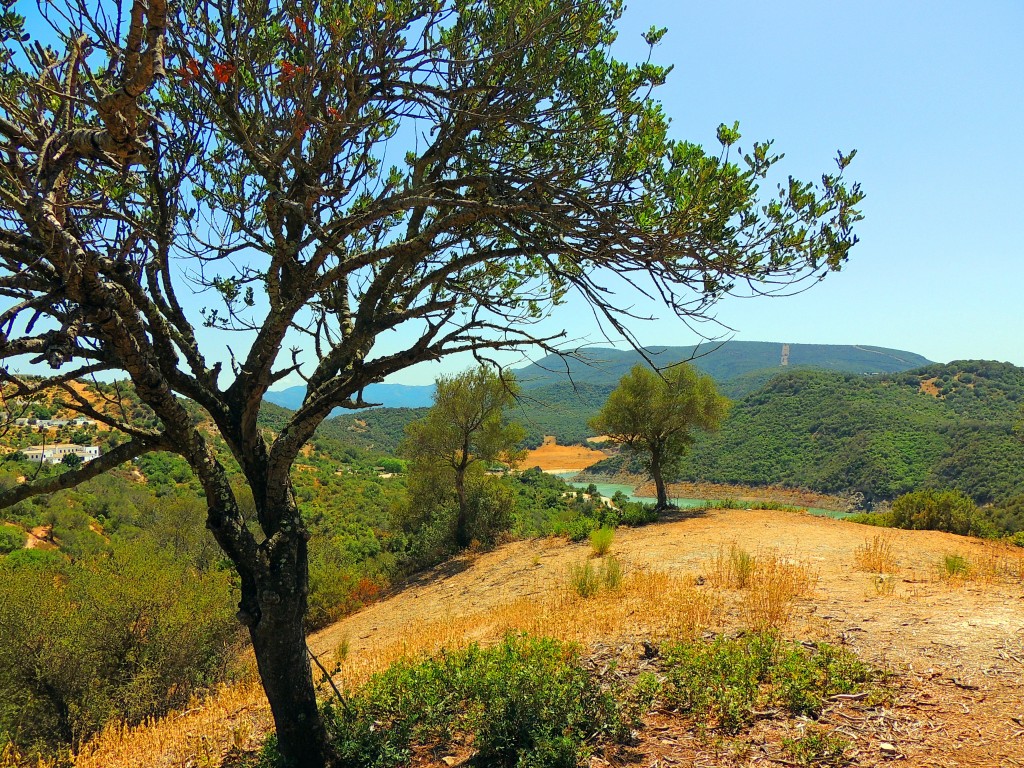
(314,175)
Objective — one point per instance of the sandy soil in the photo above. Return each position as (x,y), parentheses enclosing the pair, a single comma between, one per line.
(954,650)
(552,457)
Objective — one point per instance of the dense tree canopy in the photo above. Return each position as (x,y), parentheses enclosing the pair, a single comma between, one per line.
(310,176)
(655,416)
(466,427)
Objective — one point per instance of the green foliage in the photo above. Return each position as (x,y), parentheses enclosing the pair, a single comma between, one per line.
(928,510)
(526,702)
(71,460)
(466,430)
(120,636)
(878,436)
(12,538)
(817,749)
(954,566)
(584,579)
(655,417)
(601,540)
(730,679)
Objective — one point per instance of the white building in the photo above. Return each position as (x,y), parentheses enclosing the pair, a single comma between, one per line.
(54,454)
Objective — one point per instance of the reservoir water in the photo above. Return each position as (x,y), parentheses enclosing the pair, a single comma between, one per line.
(609,489)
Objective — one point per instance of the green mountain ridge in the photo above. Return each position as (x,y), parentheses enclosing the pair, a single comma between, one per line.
(940,426)
(561,394)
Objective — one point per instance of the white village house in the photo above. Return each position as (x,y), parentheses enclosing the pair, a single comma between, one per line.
(54,454)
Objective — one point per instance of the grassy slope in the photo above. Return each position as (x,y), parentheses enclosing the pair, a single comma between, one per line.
(522,586)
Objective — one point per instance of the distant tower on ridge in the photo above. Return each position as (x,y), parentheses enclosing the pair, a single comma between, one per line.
(785,354)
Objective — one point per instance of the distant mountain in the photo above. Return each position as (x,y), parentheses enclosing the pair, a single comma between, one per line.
(598,370)
(390,395)
(723,362)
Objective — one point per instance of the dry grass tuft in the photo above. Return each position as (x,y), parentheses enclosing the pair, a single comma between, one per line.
(234,717)
(877,555)
(770,584)
(774,587)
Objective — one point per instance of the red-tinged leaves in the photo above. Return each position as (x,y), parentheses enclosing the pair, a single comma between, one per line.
(300,26)
(289,72)
(223,72)
(189,72)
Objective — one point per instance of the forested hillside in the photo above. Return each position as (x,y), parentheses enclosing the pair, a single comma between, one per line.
(943,426)
(560,395)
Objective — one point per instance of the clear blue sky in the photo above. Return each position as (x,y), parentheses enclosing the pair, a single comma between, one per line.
(931,94)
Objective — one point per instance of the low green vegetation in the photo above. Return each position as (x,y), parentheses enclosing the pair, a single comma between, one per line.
(526,702)
(601,540)
(535,702)
(949,511)
(725,682)
(123,635)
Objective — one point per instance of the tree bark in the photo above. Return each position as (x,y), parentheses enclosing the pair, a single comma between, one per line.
(659,480)
(273,607)
(462,539)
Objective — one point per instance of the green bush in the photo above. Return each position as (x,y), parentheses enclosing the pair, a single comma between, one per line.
(601,540)
(950,511)
(121,636)
(527,702)
(11,538)
(584,579)
(729,679)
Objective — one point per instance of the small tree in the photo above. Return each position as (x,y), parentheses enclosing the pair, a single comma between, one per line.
(71,460)
(465,428)
(655,416)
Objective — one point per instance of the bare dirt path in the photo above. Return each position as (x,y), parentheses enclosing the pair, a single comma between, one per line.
(552,457)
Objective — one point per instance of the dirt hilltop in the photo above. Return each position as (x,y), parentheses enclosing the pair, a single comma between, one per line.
(954,648)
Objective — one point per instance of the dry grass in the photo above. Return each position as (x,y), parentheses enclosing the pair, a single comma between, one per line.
(235,716)
(774,587)
(770,584)
(995,563)
(876,555)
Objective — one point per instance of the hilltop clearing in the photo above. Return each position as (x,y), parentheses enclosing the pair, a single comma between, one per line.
(552,457)
(951,638)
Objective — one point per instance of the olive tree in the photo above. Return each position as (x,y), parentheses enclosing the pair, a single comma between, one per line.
(655,416)
(465,428)
(307,177)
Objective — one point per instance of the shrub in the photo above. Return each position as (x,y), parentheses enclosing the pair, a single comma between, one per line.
(121,636)
(611,573)
(601,540)
(584,579)
(954,566)
(526,702)
(729,679)
(11,538)
(928,510)
(817,749)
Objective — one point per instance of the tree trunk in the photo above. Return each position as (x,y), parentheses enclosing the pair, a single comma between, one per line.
(659,480)
(462,521)
(279,642)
